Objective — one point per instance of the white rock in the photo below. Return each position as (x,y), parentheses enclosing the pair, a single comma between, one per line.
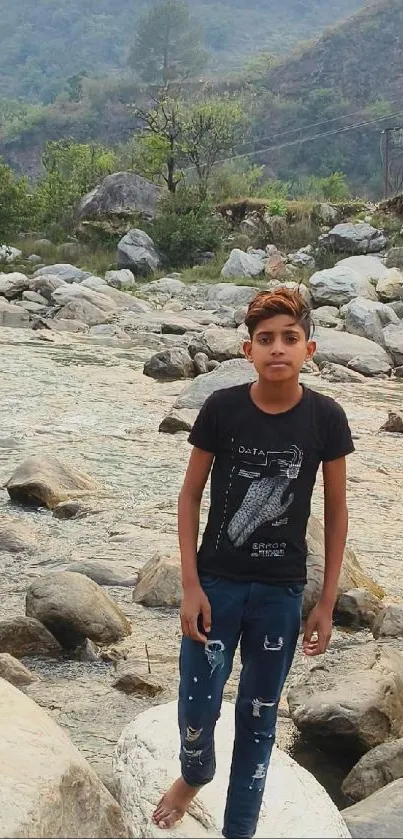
(9,254)
(47,787)
(369,266)
(338,285)
(353,351)
(228,294)
(120,278)
(146,763)
(391,287)
(12,316)
(241,264)
(66,272)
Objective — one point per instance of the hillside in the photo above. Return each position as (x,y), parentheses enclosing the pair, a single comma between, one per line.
(43,43)
(361,59)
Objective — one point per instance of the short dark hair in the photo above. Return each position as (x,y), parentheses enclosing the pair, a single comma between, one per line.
(281,301)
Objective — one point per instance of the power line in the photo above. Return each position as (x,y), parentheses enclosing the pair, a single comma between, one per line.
(300,141)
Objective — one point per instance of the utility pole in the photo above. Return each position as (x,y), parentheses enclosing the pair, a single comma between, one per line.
(386,132)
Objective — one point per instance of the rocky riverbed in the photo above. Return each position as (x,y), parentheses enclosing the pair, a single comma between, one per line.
(86,401)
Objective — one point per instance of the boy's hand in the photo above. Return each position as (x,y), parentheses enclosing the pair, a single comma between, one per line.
(318,630)
(195,603)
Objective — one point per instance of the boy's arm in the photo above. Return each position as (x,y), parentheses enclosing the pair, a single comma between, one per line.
(319,620)
(194,600)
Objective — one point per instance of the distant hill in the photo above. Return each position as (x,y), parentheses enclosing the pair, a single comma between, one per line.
(43,42)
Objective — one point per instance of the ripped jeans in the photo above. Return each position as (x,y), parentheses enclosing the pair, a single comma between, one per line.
(266,621)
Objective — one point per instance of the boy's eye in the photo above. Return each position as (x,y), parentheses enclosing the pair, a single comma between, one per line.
(291,339)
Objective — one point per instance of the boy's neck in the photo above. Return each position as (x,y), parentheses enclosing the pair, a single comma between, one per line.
(276,397)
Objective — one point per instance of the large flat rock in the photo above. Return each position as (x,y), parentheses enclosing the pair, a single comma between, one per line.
(146,762)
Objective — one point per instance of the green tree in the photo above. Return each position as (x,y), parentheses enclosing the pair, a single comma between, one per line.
(16,204)
(157,150)
(72,169)
(211,129)
(185,226)
(167,45)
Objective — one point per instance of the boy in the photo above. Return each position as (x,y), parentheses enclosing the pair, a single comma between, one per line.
(265,442)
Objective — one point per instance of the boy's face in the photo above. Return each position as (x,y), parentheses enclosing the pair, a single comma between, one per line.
(278,348)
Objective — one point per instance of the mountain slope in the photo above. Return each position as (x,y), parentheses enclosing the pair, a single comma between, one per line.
(361,59)
(42,43)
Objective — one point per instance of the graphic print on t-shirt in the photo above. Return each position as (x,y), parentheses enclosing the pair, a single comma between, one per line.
(269,493)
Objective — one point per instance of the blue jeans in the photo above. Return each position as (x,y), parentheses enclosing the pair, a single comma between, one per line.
(266,620)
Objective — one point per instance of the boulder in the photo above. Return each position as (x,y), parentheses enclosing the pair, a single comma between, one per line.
(146,763)
(159,582)
(26,636)
(353,711)
(351,238)
(301,259)
(9,254)
(12,285)
(44,481)
(14,672)
(64,271)
(390,288)
(13,316)
(371,268)
(120,278)
(389,622)
(241,264)
(368,318)
(122,195)
(218,343)
(47,787)
(352,575)
(228,294)
(16,536)
(357,607)
(169,365)
(275,267)
(352,351)
(394,258)
(81,311)
(378,767)
(102,573)
(45,285)
(394,422)
(229,373)
(136,250)
(76,291)
(178,420)
(327,316)
(131,682)
(167,285)
(73,607)
(34,297)
(393,340)
(121,299)
(326,213)
(380,815)
(338,373)
(338,285)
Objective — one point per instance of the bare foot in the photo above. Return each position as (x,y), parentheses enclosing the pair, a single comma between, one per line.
(173,804)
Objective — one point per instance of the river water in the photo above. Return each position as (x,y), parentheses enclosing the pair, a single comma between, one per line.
(88,403)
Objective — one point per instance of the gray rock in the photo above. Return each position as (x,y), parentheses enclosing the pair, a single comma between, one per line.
(34,297)
(136,250)
(338,373)
(228,294)
(43,244)
(389,622)
(27,636)
(16,536)
(376,769)
(45,285)
(69,250)
(13,316)
(327,316)
(122,299)
(159,582)
(218,343)
(326,213)
(44,481)
(178,324)
(14,672)
(73,607)
(9,254)
(61,324)
(394,258)
(390,288)
(371,268)
(201,363)
(35,259)
(120,279)
(397,306)
(338,285)
(12,285)
(120,194)
(102,573)
(64,271)
(355,711)
(301,259)
(241,264)
(30,307)
(354,238)
(229,373)
(357,607)
(80,310)
(132,682)
(399,372)
(394,422)
(393,339)
(380,815)
(178,420)
(169,365)
(368,318)
(352,351)
(167,285)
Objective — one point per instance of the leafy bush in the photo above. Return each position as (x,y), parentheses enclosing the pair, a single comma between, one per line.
(184,227)
(16,204)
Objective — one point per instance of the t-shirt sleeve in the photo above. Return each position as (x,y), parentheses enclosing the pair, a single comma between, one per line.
(338,442)
(204,434)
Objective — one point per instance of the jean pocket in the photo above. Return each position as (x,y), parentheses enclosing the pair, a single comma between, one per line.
(209,581)
(295,590)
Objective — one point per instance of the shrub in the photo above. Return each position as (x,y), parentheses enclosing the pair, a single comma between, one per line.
(185,227)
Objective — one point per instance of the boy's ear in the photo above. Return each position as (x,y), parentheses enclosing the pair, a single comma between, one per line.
(247,348)
(310,349)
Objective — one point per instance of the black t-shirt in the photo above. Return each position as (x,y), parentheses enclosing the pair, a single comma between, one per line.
(262,481)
